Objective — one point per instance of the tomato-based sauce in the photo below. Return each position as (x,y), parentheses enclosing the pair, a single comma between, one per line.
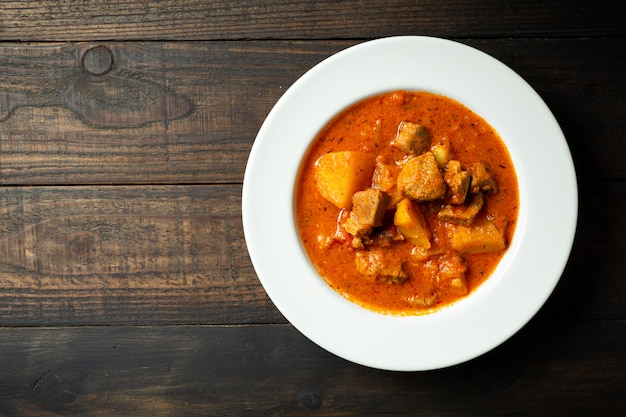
(369,128)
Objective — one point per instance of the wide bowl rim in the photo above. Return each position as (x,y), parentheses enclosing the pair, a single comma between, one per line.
(342,327)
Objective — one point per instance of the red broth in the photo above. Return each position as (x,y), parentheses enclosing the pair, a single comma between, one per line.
(369,127)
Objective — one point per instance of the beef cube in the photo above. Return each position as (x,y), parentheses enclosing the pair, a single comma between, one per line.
(412,138)
(429,290)
(482,179)
(384,177)
(452,167)
(368,209)
(462,215)
(420,178)
(458,182)
(378,264)
(384,236)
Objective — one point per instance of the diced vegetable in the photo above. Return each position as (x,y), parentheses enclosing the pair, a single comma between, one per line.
(442,152)
(412,224)
(338,175)
(478,238)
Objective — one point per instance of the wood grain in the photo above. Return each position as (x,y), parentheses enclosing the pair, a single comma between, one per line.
(176,254)
(168,113)
(132,255)
(175,113)
(52,20)
(573,369)
(125,284)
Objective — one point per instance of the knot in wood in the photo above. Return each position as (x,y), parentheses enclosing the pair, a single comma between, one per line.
(55,389)
(98,61)
(81,245)
(309,400)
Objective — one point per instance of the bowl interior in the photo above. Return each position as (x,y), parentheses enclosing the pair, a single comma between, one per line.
(524,278)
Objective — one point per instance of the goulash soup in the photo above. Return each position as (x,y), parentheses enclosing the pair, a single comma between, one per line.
(406,202)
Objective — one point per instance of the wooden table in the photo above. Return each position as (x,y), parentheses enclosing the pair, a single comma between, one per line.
(125,283)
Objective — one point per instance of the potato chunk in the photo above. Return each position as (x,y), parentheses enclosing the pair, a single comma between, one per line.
(478,238)
(338,175)
(411,222)
(442,152)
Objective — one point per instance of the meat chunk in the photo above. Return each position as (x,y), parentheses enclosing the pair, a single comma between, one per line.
(429,291)
(482,178)
(380,265)
(465,214)
(420,178)
(412,138)
(368,209)
(384,177)
(457,180)
(384,236)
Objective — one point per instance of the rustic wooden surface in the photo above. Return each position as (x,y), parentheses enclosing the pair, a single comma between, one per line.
(125,285)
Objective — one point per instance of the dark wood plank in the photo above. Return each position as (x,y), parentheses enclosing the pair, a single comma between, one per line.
(200,20)
(124,132)
(139,112)
(176,254)
(593,284)
(189,112)
(582,82)
(132,255)
(568,369)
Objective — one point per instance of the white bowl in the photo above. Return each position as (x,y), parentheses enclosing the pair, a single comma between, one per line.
(528,272)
